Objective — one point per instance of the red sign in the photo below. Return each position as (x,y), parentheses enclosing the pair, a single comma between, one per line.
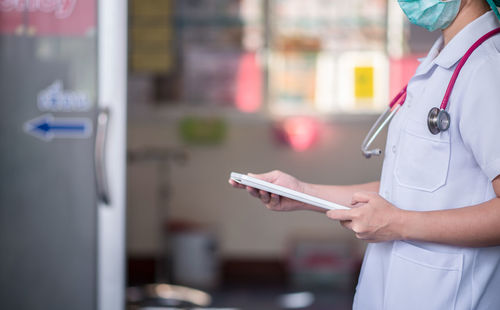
(47,17)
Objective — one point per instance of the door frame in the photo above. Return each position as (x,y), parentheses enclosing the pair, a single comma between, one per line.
(112,76)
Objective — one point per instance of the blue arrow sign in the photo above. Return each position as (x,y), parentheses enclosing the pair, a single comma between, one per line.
(47,127)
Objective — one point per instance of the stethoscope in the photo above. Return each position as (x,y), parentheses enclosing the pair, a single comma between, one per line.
(438,119)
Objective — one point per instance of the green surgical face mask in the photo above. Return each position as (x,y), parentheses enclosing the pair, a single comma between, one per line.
(430,14)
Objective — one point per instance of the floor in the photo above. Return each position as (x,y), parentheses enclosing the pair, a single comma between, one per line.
(254,298)
(276,299)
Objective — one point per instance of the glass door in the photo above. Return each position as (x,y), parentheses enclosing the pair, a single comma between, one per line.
(50,207)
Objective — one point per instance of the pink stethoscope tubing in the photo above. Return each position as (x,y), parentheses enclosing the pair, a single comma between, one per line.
(400,98)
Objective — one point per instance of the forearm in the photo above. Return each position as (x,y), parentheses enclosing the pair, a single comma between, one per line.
(341,194)
(474,226)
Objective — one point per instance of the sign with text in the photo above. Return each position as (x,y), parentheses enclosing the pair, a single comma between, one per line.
(48,17)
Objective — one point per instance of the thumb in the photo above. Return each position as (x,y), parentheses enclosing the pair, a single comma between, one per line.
(268,176)
(361,197)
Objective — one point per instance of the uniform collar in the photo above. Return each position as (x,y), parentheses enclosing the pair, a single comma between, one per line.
(458,46)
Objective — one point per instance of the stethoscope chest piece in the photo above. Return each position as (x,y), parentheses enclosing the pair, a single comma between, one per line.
(438,120)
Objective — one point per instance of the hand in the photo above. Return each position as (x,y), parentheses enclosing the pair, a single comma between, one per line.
(372,218)
(273,201)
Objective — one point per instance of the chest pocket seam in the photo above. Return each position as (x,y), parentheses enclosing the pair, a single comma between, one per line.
(422,162)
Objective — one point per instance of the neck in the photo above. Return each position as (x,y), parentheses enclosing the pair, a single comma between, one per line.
(469,11)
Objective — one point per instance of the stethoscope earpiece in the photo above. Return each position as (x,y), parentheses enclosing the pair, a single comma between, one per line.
(438,120)
(370,153)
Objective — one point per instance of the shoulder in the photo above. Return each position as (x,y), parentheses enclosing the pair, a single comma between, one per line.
(482,69)
(486,57)
(477,88)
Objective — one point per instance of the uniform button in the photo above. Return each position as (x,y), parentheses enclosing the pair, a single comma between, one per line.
(386,194)
(394,149)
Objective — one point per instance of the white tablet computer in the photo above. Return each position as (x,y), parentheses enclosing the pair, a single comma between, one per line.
(285,192)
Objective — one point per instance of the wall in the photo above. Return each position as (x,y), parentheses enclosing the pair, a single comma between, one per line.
(199,190)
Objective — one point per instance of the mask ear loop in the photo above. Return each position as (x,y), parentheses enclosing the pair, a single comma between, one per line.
(494,7)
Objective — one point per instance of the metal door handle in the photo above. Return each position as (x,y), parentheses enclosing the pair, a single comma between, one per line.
(100,156)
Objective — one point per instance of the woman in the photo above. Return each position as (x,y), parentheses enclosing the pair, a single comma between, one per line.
(433,220)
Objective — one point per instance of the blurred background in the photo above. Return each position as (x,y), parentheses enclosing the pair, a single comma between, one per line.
(121,122)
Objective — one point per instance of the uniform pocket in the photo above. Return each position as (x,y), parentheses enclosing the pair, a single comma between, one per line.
(422,279)
(423,159)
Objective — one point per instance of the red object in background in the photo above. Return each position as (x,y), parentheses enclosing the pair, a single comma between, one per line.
(48,17)
(298,132)
(10,18)
(248,84)
(402,69)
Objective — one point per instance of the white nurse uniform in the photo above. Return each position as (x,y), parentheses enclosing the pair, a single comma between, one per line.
(452,169)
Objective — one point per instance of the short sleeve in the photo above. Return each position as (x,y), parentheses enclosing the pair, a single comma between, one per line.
(479,119)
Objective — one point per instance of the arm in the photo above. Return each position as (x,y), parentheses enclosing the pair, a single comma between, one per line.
(474,226)
(338,194)
(377,220)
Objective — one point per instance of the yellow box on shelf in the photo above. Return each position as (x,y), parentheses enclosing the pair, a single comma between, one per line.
(363,81)
(162,33)
(148,62)
(151,7)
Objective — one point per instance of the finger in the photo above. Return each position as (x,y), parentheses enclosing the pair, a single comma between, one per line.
(357,204)
(275,201)
(365,237)
(341,215)
(252,191)
(268,177)
(236,184)
(363,197)
(265,197)
(346,224)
